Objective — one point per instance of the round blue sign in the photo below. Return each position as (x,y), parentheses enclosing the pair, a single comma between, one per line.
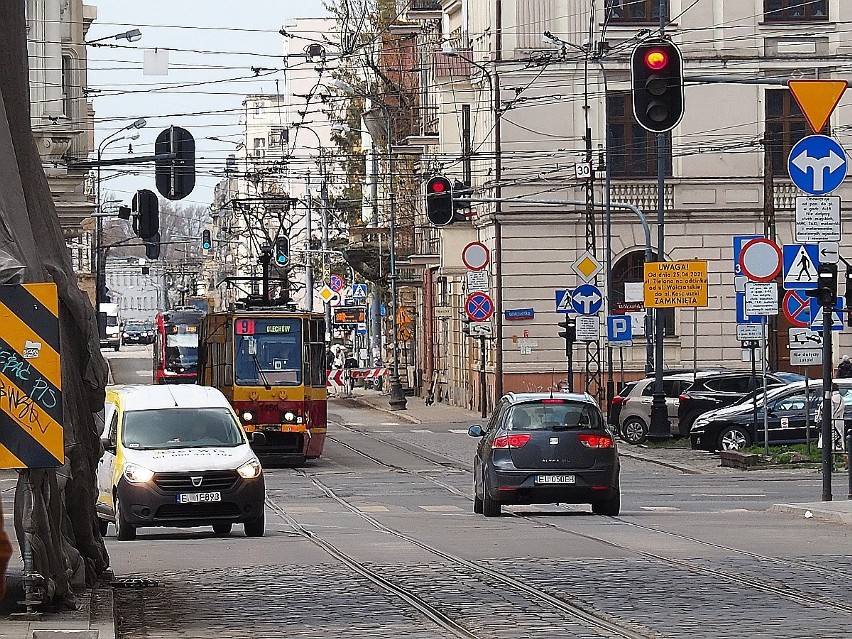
(586,299)
(479,307)
(817,164)
(335,283)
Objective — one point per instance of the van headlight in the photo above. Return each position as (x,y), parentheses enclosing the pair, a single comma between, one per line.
(136,474)
(250,469)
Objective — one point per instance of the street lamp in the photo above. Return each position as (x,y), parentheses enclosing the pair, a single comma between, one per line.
(372,120)
(133,35)
(100,283)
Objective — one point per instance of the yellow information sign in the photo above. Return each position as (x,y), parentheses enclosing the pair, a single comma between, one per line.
(674,284)
(817,98)
(30,378)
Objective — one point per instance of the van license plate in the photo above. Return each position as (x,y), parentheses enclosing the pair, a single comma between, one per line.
(555,479)
(196,498)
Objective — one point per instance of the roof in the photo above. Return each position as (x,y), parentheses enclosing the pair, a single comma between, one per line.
(154,396)
(516,398)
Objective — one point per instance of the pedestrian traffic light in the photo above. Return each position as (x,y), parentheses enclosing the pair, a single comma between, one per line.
(826,290)
(656,72)
(569,332)
(174,162)
(147,208)
(282,251)
(439,201)
(206,240)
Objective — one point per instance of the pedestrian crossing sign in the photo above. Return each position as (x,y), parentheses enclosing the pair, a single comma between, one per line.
(801,262)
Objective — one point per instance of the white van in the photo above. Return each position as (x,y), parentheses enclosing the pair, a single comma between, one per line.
(176,456)
(110,325)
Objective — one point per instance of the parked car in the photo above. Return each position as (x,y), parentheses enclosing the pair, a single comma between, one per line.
(176,456)
(138,333)
(723,389)
(632,414)
(546,448)
(738,426)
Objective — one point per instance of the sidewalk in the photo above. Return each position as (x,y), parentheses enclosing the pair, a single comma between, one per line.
(416,412)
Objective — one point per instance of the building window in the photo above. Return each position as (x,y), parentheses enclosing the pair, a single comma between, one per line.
(795,10)
(785,125)
(636,10)
(67,86)
(631,149)
(630,269)
(279,136)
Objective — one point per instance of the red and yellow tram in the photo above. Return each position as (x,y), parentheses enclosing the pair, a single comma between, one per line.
(270,364)
(175,353)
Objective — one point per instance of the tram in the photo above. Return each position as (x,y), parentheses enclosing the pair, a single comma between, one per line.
(175,353)
(270,364)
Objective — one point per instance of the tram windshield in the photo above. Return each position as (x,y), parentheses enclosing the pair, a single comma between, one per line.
(181,347)
(268,352)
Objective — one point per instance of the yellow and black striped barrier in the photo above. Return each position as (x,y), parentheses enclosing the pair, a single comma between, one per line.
(30,377)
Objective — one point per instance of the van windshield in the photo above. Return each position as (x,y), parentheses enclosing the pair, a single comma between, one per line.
(180,428)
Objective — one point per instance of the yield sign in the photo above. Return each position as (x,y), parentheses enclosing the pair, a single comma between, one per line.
(818,98)
(797,308)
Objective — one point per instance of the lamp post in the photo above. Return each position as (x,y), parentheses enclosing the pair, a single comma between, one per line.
(100,284)
(132,35)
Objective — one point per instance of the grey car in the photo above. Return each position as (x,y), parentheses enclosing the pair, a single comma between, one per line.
(542,448)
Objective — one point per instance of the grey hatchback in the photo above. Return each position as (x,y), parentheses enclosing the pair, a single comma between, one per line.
(544,449)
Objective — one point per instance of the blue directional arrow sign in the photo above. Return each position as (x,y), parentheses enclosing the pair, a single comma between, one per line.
(801,262)
(817,164)
(586,299)
(619,330)
(836,315)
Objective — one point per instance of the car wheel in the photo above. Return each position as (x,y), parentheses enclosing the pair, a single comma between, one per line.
(103,525)
(124,530)
(223,528)
(255,527)
(477,505)
(634,431)
(490,507)
(734,438)
(610,507)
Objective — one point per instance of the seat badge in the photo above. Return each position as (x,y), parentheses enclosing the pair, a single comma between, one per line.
(554,441)
(196,481)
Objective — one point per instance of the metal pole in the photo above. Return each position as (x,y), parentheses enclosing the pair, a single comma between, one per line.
(660,428)
(763,375)
(309,267)
(827,321)
(807,410)
(569,351)
(753,346)
(483,395)
(397,399)
(324,204)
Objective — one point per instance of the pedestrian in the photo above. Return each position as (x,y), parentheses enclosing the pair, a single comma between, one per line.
(844,369)
(838,408)
(5,553)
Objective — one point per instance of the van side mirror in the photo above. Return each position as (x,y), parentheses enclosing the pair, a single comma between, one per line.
(476,431)
(108,444)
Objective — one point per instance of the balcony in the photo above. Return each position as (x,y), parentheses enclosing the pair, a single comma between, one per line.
(423,10)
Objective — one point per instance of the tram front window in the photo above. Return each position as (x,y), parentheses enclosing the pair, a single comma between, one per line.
(182,352)
(270,355)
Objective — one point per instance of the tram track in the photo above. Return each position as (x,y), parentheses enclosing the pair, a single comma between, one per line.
(750,580)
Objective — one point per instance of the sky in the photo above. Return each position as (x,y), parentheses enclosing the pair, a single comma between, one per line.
(213,47)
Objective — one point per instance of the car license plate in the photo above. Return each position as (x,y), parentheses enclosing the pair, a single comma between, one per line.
(196,498)
(554,479)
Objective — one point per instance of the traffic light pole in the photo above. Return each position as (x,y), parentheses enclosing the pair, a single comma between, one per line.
(660,427)
(483,391)
(826,425)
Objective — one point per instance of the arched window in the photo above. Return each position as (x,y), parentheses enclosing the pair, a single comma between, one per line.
(630,270)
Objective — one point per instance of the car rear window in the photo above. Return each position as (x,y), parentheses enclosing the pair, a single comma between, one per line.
(555,415)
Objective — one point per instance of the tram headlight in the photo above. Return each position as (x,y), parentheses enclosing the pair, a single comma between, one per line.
(250,469)
(247,416)
(289,416)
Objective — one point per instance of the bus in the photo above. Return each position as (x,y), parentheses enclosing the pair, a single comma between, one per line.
(175,352)
(270,364)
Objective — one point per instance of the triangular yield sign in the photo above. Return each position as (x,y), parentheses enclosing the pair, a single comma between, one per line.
(817,99)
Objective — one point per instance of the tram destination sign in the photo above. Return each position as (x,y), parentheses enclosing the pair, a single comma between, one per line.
(676,284)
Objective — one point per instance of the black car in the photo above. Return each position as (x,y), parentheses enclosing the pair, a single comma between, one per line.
(137,333)
(738,426)
(544,449)
(724,389)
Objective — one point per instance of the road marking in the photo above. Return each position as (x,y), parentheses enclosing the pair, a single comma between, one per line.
(303,510)
(373,509)
(441,509)
(459,431)
(659,508)
(143,373)
(388,423)
(724,495)
(355,424)
(423,430)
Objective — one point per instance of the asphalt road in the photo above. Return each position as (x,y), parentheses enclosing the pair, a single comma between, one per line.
(378,539)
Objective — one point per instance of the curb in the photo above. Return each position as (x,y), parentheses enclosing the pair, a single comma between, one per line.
(687,470)
(362,401)
(837,516)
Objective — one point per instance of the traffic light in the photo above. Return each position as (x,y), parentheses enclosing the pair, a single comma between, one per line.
(175,165)
(439,201)
(656,72)
(569,332)
(466,322)
(152,246)
(826,290)
(206,240)
(282,251)
(147,208)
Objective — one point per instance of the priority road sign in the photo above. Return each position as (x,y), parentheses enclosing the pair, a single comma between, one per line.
(31,419)
(563,302)
(817,164)
(797,308)
(801,262)
(587,299)
(760,260)
(479,307)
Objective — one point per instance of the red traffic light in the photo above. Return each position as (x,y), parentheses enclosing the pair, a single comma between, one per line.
(438,185)
(656,59)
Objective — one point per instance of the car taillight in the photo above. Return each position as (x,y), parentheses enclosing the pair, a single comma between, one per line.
(618,400)
(596,441)
(681,398)
(510,441)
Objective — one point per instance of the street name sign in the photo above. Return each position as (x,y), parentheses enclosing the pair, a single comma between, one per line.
(761,298)
(675,284)
(817,164)
(817,219)
(588,328)
(818,99)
